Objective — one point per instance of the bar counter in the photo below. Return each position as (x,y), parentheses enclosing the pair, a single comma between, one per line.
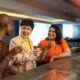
(60,69)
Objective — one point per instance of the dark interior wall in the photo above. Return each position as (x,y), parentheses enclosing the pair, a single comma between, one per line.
(15,31)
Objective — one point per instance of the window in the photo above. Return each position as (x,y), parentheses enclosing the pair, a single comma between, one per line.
(67,30)
(39,32)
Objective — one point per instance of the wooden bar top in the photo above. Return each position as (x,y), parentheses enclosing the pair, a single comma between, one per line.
(60,69)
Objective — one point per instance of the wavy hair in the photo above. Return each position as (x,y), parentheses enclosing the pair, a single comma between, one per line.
(58,33)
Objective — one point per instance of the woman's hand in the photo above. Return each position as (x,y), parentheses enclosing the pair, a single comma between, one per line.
(51,44)
(15,51)
(37,52)
(52,58)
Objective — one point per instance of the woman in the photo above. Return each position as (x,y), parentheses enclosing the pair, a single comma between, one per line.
(25,60)
(54,46)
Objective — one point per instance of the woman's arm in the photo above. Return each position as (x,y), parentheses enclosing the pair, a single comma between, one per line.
(65,48)
(66,53)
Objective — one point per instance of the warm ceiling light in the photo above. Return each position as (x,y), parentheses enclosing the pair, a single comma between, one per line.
(58,20)
(30,17)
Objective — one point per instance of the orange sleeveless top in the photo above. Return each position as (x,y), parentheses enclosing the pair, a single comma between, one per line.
(58,49)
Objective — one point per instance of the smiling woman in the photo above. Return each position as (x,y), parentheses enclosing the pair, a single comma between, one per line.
(54,46)
(24,60)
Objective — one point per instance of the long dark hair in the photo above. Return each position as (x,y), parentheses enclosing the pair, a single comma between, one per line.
(58,33)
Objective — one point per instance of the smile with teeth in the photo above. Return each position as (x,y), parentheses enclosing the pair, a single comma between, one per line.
(51,35)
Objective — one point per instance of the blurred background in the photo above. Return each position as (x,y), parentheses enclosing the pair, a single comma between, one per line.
(65,13)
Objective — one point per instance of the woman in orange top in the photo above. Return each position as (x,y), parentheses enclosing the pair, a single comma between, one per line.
(54,46)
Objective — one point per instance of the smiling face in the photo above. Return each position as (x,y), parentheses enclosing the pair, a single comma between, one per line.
(51,33)
(26,31)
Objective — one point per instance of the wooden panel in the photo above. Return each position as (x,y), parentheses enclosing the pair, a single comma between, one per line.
(75,3)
